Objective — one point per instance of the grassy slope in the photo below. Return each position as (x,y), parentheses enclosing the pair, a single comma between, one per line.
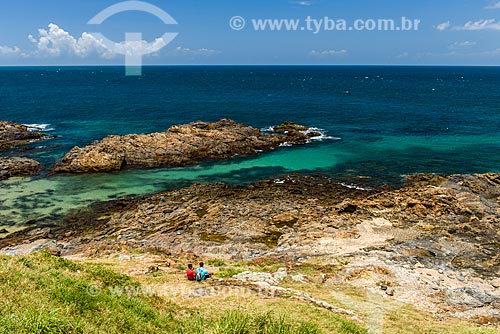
(44,294)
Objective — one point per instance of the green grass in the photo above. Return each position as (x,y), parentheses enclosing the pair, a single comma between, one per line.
(236,322)
(45,294)
(216,262)
(227,272)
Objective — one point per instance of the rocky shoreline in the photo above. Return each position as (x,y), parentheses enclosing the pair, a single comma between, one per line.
(180,145)
(433,243)
(14,135)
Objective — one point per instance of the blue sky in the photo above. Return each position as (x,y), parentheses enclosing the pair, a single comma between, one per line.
(55,32)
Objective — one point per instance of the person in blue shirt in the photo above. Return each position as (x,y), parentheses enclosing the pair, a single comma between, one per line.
(201,273)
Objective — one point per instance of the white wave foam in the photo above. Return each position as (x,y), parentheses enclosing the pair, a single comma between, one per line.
(285,179)
(286,144)
(353,186)
(268,129)
(323,135)
(39,127)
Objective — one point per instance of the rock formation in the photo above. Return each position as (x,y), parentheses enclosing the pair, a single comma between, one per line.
(433,242)
(12,134)
(10,167)
(181,145)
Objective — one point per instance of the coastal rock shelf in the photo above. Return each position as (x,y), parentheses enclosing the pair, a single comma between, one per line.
(13,134)
(10,167)
(433,242)
(181,145)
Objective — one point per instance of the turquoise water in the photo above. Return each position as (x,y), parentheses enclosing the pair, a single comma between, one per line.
(395,121)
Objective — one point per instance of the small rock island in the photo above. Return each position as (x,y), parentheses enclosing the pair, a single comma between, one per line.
(181,145)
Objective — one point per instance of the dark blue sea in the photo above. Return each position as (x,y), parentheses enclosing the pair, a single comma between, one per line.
(394,121)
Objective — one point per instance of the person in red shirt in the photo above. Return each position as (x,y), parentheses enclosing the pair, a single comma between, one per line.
(191,274)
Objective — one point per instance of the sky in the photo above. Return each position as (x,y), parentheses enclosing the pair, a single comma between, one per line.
(443,32)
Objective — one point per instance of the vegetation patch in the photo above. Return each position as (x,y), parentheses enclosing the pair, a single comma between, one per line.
(228,272)
(216,262)
(214,237)
(270,239)
(46,294)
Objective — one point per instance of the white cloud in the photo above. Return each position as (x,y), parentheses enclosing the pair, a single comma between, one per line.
(463,53)
(490,24)
(490,53)
(137,47)
(494,5)
(484,24)
(302,3)
(15,51)
(9,51)
(315,53)
(462,45)
(443,26)
(55,42)
(196,52)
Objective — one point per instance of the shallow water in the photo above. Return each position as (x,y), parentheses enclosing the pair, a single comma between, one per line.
(395,121)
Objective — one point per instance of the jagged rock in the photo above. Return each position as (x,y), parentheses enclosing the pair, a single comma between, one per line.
(288,126)
(297,133)
(471,297)
(13,134)
(181,145)
(10,167)
(286,219)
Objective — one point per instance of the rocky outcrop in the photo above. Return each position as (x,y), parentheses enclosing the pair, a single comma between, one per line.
(13,134)
(289,127)
(10,167)
(300,133)
(181,145)
(433,242)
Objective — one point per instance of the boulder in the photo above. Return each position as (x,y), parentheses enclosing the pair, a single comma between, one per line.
(10,167)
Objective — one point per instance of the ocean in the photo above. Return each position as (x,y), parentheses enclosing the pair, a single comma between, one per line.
(392,122)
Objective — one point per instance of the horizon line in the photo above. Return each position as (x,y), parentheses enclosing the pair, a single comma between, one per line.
(255,65)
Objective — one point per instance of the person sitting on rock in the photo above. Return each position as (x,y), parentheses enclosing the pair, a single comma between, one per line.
(201,273)
(191,274)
